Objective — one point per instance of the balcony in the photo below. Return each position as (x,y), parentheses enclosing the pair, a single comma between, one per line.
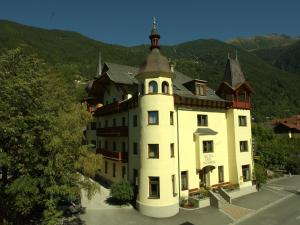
(241,105)
(118,156)
(121,131)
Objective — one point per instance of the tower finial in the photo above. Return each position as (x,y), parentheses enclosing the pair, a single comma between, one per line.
(154,23)
(154,36)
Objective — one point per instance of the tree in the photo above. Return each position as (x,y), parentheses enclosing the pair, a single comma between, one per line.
(40,141)
(260,175)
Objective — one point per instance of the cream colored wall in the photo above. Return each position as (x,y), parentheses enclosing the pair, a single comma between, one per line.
(239,133)
(191,146)
(162,134)
(109,174)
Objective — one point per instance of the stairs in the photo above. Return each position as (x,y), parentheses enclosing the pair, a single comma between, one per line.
(222,202)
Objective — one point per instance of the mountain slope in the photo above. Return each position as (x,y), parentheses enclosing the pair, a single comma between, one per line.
(71,54)
(263,42)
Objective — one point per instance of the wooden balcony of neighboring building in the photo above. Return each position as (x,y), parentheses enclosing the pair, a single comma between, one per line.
(241,105)
(120,131)
(118,156)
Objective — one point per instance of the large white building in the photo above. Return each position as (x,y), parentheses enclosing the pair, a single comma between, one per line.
(168,134)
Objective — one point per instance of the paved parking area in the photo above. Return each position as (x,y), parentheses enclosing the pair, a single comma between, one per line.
(243,207)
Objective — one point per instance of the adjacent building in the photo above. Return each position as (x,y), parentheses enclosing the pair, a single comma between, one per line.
(167,133)
(289,127)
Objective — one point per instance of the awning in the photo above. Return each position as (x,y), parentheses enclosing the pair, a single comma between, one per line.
(205,131)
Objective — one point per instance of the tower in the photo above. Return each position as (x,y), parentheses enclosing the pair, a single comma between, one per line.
(158,173)
(237,91)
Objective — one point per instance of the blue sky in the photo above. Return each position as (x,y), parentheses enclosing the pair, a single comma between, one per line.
(128,22)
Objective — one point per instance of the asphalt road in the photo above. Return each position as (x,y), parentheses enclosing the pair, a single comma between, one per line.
(286,212)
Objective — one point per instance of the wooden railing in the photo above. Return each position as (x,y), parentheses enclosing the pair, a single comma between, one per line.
(121,131)
(119,156)
(241,105)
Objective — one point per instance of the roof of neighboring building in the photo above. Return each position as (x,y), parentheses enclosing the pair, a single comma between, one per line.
(291,122)
(233,73)
(123,74)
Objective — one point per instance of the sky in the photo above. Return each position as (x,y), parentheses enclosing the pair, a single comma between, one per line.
(128,22)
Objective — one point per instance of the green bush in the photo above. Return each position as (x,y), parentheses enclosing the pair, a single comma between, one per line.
(122,192)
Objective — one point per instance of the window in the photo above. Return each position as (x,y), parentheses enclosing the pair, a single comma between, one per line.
(221,174)
(242,97)
(246,172)
(124,146)
(114,170)
(244,146)
(208,146)
(99,124)
(153,151)
(93,125)
(174,185)
(106,145)
(202,120)
(172,150)
(171,118)
(123,171)
(153,187)
(123,121)
(242,121)
(184,180)
(94,143)
(135,148)
(134,120)
(152,117)
(105,166)
(200,89)
(114,122)
(114,146)
(106,123)
(99,144)
(152,87)
(165,87)
(135,177)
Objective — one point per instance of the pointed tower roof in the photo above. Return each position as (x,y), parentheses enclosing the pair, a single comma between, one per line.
(233,75)
(155,62)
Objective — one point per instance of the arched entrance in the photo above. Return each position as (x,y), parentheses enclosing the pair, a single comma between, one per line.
(204,175)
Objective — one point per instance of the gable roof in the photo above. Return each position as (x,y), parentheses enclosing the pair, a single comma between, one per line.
(120,74)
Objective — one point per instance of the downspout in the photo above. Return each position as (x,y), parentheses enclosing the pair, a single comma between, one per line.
(179,174)
(128,144)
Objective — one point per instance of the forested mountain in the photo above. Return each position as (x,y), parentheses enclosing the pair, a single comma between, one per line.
(71,55)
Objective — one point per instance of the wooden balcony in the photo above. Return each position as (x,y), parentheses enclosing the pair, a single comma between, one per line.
(121,131)
(241,105)
(118,156)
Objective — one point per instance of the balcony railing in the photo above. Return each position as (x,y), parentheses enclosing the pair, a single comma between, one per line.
(121,131)
(241,105)
(119,156)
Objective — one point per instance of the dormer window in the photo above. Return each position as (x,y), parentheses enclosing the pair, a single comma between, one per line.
(165,87)
(200,89)
(152,87)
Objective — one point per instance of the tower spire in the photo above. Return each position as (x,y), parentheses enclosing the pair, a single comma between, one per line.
(154,36)
(99,69)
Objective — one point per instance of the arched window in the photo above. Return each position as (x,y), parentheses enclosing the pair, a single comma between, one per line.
(152,87)
(165,87)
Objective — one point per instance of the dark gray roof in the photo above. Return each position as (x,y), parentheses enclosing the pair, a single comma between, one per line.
(155,62)
(205,131)
(233,73)
(123,74)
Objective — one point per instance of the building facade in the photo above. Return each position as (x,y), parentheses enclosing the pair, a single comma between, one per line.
(168,134)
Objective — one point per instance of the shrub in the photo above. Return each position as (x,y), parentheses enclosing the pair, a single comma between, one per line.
(260,175)
(122,192)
